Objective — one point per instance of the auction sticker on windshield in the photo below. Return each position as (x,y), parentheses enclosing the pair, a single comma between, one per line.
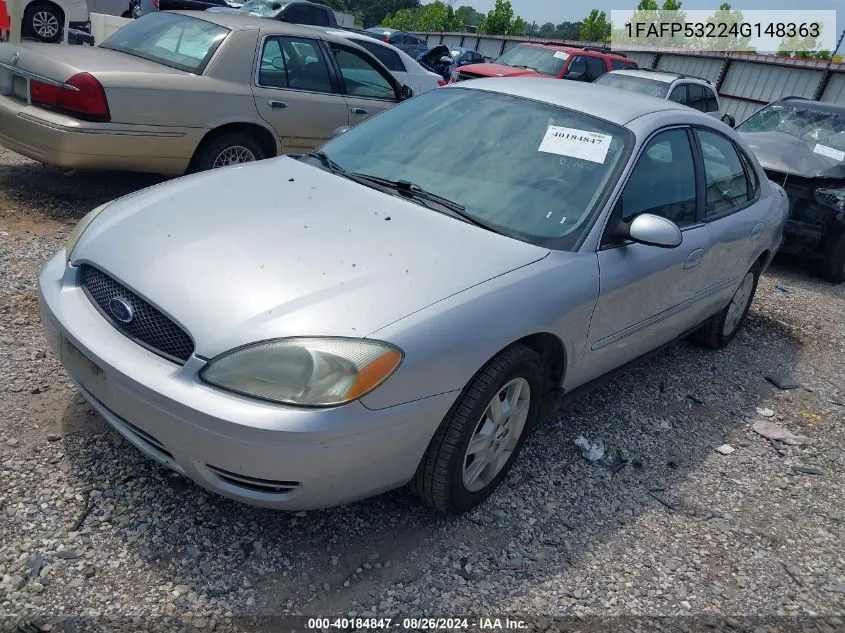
(830,152)
(562,55)
(567,141)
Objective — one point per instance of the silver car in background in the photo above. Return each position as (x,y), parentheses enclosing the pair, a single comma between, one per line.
(382,313)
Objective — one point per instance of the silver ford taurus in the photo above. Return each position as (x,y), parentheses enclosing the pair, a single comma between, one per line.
(305,331)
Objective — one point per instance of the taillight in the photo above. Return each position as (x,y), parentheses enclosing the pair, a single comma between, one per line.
(81,95)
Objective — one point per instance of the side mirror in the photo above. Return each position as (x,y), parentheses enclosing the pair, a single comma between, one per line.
(729,120)
(405,92)
(343,129)
(655,231)
(278,63)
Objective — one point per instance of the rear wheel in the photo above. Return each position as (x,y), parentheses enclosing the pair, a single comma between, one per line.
(833,265)
(720,329)
(44,21)
(231,148)
(482,434)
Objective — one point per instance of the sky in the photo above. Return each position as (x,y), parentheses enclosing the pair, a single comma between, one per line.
(557,11)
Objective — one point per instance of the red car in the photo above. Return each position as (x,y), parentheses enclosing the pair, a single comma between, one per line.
(547,60)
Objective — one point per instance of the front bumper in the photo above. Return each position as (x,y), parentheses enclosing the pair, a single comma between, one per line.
(258,453)
(56,139)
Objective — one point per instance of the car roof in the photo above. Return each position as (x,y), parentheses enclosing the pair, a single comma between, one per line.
(599,101)
(247,22)
(576,50)
(665,76)
(818,106)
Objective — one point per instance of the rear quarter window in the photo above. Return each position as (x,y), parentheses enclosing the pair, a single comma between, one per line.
(170,39)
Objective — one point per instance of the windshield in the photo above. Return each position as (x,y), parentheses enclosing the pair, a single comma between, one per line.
(542,186)
(544,60)
(811,125)
(170,39)
(630,83)
(264,8)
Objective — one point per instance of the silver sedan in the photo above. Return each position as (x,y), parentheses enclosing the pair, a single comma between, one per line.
(310,330)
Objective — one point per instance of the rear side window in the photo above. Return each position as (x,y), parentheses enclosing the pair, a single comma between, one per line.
(299,14)
(728,186)
(170,39)
(616,64)
(711,103)
(389,58)
(295,63)
(321,17)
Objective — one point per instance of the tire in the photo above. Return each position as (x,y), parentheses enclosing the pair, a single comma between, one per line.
(833,266)
(212,154)
(44,21)
(444,479)
(718,331)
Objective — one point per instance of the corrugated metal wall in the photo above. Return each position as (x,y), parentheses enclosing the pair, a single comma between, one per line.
(745,83)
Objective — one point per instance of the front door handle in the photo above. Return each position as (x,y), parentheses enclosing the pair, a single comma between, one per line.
(694,258)
(756,232)
(277,105)
(358,111)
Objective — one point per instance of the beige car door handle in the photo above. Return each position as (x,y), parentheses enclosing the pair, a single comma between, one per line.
(277,105)
(358,111)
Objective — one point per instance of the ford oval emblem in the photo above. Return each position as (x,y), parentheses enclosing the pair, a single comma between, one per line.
(121,309)
(15,59)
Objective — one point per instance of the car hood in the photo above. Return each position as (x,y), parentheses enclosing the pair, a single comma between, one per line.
(783,153)
(500,70)
(280,248)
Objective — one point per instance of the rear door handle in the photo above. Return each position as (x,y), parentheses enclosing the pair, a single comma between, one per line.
(756,232)
(694,258)
(358,111)
(277,105)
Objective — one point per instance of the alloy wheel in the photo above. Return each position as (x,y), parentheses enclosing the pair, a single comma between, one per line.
(496,434)
(234,155)
(45,24)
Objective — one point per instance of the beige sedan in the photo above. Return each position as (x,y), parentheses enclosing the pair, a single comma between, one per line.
(176,92)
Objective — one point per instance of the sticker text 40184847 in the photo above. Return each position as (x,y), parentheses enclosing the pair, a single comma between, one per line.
(566,141)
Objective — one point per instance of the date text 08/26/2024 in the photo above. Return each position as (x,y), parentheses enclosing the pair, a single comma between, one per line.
(417,624)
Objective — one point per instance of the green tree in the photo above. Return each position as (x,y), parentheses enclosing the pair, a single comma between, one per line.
(596,27)
(434,17)
(373,12)
(724,15)
(568,30)
(337,5)
(803,47)
(500,20)
(403,20)
(469,16)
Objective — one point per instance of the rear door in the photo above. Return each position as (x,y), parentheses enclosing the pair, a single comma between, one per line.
(297,92)
(650,295)
(367,87)
(733,213)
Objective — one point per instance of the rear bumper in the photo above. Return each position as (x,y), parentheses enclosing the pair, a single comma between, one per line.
(63,141)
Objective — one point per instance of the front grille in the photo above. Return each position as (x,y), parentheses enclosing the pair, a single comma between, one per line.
(147,326)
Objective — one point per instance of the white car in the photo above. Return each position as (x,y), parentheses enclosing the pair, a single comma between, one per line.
(688,90)
(45,20)
(404,67)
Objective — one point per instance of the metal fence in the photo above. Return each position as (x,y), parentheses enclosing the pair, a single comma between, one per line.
(745,82)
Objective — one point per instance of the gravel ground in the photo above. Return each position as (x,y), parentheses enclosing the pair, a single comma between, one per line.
(92,529)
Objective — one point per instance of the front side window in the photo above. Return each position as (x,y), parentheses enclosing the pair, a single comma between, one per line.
(695,97)
(631,83)
(679,94)
(577,68)
(543,186)
(169,39)
(727,183)
(362,79)
(546,61)
(295,63)
(663,180)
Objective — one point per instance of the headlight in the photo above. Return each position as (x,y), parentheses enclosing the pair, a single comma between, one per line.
(831,198)
(317,372)
(80,227)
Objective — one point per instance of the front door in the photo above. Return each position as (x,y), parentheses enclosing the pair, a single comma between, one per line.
(368,89)
(650,295)
(295,93)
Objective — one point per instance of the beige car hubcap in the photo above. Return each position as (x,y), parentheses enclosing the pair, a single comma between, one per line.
(234,155)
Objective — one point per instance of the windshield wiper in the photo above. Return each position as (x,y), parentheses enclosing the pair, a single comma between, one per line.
(327,162)
(417,193)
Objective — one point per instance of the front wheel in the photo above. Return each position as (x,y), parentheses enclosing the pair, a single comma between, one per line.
(477,442)
(720,329)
